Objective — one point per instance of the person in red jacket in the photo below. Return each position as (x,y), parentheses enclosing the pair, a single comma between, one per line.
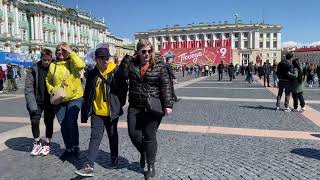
(2,78)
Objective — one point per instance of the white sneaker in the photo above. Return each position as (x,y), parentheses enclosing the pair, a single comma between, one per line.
(287,109)
(1,92)
(294,110)
(303,109)
(45,150)
(36,149)
(277,108)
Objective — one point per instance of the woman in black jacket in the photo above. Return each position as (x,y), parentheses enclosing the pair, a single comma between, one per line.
(104,97)
(147,77)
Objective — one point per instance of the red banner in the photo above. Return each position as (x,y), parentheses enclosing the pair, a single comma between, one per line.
(209,55)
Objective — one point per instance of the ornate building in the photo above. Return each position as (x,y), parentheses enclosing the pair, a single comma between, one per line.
(249,42)
(27,26)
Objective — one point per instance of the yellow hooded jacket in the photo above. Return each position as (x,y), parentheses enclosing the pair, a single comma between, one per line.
(69,69)
(100,107)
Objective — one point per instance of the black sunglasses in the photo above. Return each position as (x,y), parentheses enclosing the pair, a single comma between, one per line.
(145,51)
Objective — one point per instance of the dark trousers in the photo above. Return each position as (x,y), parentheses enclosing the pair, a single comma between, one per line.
(1,85)
(143,127)
(231,76)
(49,114)
(296,97)
(283,85)
(266,78)
(220,76)
(174,96)
(67,114)
(98,123)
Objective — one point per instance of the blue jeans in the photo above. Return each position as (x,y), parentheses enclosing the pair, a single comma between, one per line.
(67,115)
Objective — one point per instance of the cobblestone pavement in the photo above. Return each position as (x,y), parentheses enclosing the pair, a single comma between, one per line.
(184,155)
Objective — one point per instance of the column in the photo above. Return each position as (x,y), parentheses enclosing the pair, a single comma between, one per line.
(36,27)
(16,15)
(232,40)
(90,38)
(78,27)
(271,41)
(5,11)
(72,34)
(256,40)
(278,40)
(58,34)
(241,44)
(264,40)
(41,34)
(32,26)
(250,40)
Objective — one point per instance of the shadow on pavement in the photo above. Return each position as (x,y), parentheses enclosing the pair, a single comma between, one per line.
(259,107)
(307,152)
(26,144)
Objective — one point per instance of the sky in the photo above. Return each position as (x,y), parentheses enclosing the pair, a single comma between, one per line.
(300,19)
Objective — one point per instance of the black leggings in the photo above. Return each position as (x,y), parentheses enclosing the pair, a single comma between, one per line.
(143,127)
(48,120)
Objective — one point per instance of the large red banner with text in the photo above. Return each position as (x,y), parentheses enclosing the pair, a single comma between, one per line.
(208,55)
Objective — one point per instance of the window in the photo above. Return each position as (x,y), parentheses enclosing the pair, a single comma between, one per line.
(260,44)
(268,35)
(209,36)
(184,37)
(24,34)
(261,35)
(275,35)
(167,38)
(268,55)
(48,19)
(268,44)
(274,54)
(227,35)
(192,37)
(159,38)
(218,36)
(10,28)
(236,44)
(275,44)
(246,44)
(53,21)
(175,38)
(245,35)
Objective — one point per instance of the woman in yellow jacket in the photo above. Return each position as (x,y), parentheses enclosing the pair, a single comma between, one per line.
(66,70)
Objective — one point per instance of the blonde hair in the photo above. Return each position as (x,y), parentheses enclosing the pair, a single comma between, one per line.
(144,43)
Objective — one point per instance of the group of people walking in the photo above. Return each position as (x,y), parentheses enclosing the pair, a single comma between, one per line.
(144,75)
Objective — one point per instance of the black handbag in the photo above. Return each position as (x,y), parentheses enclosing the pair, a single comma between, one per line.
(154,106)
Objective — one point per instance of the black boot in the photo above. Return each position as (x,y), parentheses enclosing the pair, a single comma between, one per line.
(143,160)
(66,155)
(114,162)
(151,173)
(76,152)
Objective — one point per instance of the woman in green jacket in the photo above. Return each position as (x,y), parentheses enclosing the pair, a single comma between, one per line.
(297,85)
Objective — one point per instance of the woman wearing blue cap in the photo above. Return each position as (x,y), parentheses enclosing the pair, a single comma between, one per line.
(104,97)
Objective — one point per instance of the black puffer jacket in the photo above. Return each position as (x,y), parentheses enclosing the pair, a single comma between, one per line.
(156,82)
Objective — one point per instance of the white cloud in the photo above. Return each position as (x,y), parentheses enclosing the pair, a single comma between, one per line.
(299,44)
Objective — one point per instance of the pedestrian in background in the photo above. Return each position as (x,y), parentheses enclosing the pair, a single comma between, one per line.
(220,70)
(104,97)
(2,79)
(147,77)
(266,73)
(38,101)
(66,71)
(231,70)
(274,74)
(169,60)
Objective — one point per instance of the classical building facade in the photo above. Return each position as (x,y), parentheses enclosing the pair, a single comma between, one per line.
(249,42)
(308,54)
(27,26)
